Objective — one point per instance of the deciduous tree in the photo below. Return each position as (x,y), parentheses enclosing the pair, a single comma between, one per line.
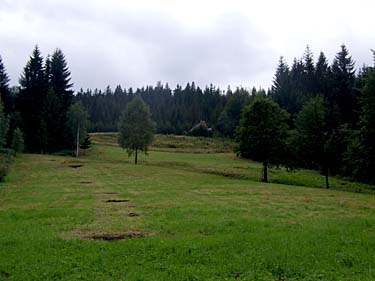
(136,128)
(263,132)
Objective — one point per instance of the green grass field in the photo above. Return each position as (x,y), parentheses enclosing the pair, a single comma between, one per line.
(197,215)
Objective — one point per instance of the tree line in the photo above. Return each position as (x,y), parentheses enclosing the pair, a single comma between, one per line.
(324,112)
(174,111)
(316,115)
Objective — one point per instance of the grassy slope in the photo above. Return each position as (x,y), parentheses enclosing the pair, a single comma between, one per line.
(199,224)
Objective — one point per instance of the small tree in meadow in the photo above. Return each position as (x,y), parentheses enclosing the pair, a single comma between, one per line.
(86,144)
(17,141)
(136,128)
(77,123)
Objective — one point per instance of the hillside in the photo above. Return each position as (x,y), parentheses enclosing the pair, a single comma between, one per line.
(179,216)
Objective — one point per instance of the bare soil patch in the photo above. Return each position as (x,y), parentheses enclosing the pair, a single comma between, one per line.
(75,166)
(116,200)
(115,236)
(133,214)
(105,192)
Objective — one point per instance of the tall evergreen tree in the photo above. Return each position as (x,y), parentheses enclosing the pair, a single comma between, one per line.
(60,96)
(342,99)
(3,127)
(30,102)
(5,93)
(361,154)
(309,79)
(322,74)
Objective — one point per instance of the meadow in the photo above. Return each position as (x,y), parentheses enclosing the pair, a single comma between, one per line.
(190,210)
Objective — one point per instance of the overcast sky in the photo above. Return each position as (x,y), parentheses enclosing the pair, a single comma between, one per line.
(136,43)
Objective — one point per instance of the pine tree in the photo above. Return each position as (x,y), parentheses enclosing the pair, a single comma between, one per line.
(60,91)
(86,144)
(343,77)
(17,141)
(309,79)
(4,126)
(322,74)
(136,128)
(281,91)
(361,155)
(5,94)
(30,102)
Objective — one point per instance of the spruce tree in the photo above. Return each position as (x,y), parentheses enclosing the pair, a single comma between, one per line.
(4,126)
(322,74)
(61,88)
(309,79)
(361,154)
(86,144)
(5,93)
(281,90)
(30,102)
(342,99)
(17,141)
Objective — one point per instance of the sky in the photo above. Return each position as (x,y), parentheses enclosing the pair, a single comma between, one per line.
(138,43)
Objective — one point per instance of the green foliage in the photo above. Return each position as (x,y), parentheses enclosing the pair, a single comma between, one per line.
(17,141)
(360,157)
(5,94)
(229,118)
(263,132)
(5,161)
(30,102)
(311,136)
(86,144)
(77,123)
(45,84)
(4,126)
(136,128)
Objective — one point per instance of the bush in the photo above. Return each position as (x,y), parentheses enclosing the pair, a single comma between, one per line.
(5,160)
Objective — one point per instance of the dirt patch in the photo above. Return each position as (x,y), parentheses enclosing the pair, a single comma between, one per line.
(115,236)
(133,214)
(106,192)
(4,274)
(75,166)
(86,182)
(116,200)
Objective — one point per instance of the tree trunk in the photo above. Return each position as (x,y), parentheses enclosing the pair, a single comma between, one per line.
(136,156)
(77,144)
(265,175)
(326,174)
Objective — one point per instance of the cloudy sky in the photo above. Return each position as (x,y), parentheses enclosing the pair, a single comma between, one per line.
(135,43)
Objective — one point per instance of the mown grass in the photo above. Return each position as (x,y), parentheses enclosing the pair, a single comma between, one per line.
(202,216)
(174,143)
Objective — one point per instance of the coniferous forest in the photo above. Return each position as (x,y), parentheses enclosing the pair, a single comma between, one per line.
(330,106)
